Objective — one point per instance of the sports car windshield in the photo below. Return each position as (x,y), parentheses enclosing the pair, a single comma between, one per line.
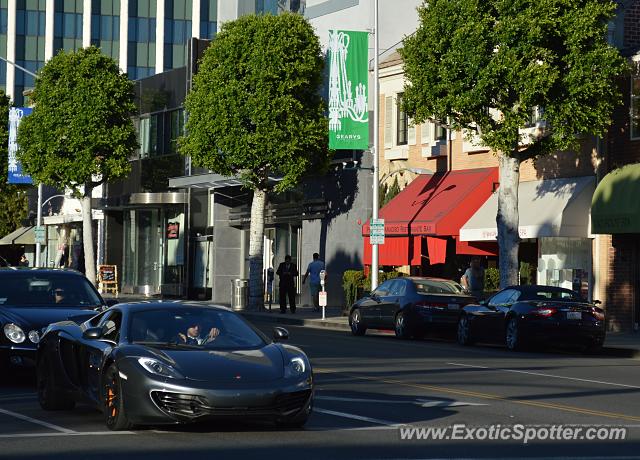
(193,327)
(551,293)
(55,290)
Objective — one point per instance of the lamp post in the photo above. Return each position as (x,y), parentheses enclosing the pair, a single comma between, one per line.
(376,204)
(39,212)
(376,142)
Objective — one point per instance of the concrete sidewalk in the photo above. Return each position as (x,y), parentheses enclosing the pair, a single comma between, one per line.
(617,344)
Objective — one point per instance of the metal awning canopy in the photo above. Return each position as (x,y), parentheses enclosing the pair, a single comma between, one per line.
(210,181)
(23,235)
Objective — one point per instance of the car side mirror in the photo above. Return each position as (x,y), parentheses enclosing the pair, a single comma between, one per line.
(280,334)
(597,302)
(92,333)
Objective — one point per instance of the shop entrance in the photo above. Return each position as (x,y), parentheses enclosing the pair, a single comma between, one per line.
(154,251)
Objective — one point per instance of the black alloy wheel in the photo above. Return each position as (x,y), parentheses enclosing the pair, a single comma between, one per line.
(49,397)
(513,335)
(464,331)
(401,327)
(357,325)
(114,414)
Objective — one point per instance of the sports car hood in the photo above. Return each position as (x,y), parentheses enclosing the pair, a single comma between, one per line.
(38,318)
(261,365)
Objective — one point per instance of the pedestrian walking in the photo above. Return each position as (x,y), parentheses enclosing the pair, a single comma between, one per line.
(287,273)
(313,272)
(473,278)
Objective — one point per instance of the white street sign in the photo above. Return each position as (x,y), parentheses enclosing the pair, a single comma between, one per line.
(376,231)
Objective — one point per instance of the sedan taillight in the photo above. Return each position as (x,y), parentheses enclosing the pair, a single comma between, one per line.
(545,311)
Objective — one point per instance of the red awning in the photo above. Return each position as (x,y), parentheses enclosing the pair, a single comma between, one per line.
(437,205)
(477,248)
(396,251)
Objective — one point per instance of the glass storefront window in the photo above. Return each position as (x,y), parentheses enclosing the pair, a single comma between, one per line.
(565,262)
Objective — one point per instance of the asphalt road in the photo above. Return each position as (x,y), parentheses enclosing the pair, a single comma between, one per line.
(368,390)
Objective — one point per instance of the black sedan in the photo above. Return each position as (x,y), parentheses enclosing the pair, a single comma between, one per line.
(31,299)
(173,362)
(519,315)
(411,306)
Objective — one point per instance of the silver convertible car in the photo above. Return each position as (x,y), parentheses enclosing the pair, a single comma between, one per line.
(173,362)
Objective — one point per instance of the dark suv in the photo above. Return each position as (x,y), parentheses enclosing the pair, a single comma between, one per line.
(33,298)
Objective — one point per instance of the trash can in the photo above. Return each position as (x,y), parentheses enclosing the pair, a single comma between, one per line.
(239,293)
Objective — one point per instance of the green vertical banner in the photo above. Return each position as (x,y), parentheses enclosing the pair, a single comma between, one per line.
(348,90)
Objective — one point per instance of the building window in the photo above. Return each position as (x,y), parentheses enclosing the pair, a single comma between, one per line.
(105,27)
(67,25)
(439,132)
(30,38)
(635,107)
(208,19)
(158,133)
(402,122)
(141,48)
(177,32)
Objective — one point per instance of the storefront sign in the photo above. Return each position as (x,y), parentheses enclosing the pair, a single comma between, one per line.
(173,230)
(348,90)
(16,175)
(106,273)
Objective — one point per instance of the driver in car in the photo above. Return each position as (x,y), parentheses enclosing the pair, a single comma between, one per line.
(193,337)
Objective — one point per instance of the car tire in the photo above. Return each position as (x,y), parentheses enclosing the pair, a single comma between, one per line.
(401,327)
(513,335)
(355,321)
(464,336)
(112,397)
(49,397)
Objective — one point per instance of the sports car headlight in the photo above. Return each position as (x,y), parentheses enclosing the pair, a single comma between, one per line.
(34,336)
(14,333)
(297,366)
(159,368)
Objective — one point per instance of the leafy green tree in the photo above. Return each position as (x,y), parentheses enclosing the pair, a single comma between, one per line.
(80,133)
(13,199)
(255,112)
(487,65)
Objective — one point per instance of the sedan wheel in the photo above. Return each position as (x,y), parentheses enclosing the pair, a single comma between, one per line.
(464,331)
(513,335)
(357,325)
(401,328)
(114,415)
(48,396)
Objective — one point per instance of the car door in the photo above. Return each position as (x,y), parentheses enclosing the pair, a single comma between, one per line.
(390,304)
(95,351)
(499,305)
(370,307)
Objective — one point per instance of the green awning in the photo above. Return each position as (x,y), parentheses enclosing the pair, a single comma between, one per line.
(21,236)
(615,207)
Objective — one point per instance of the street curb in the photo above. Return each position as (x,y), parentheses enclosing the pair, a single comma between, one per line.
(277,318)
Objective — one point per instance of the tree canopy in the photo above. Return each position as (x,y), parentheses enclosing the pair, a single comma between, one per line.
(255,109)
(80,131)
(470,56)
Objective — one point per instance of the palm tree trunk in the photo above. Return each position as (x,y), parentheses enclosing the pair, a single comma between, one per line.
(256,241)
(87,236)
(507,219)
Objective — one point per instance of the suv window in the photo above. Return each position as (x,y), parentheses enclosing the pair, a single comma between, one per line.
(398,287)
(383,289)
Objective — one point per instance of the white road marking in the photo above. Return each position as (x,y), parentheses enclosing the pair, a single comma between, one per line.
(56,434)
(539,374)
(357,417)
(37,422)
(417,402)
